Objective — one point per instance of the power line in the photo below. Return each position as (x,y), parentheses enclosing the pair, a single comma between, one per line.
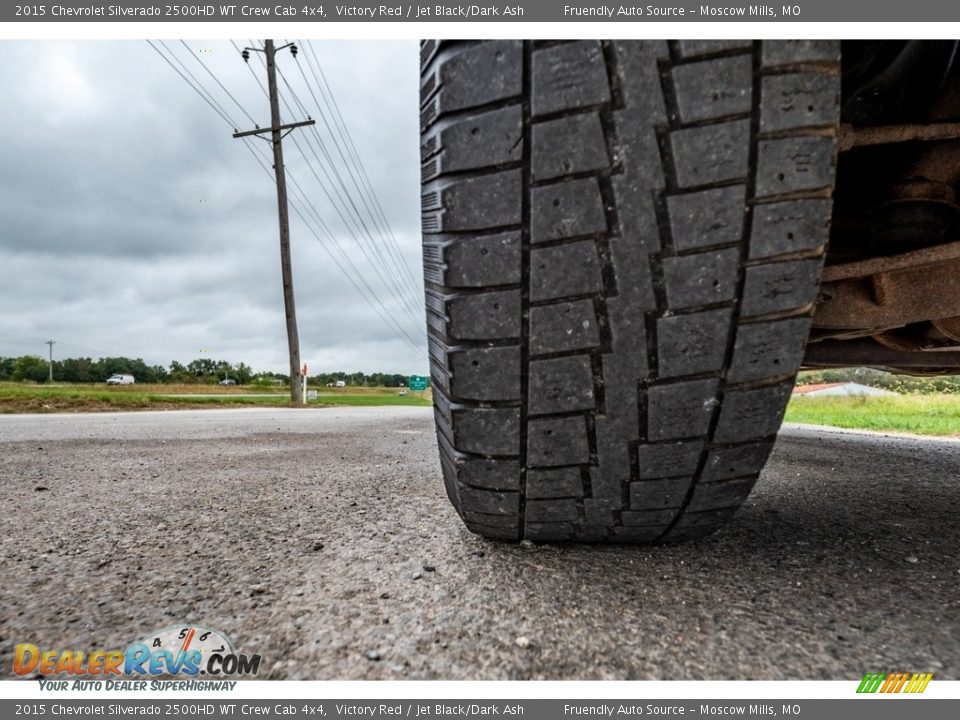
(387,275)
(209,102)
(402,334)
(217,81)
(345,133)
(391,245)
(413,309)
(388,318)
(199,84)
(300,196)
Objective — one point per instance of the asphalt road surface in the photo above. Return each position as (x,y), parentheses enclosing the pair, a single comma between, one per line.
(322,539)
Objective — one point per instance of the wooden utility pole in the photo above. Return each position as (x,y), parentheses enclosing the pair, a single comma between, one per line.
(277,134)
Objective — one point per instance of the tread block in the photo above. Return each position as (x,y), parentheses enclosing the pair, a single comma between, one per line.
(681,410)
(768,349)
(668,459)
(693,48)
(641,518)
(490,474)
(481,141)
(449,474)
(599,512)
(484,316)
(563,326)
(480,261)
(478,203)
(776,53)
(566,209)
(709,217)
(485,373)
(480,74)
(486,431)
(780,286)
(789,227)
(557,441)
(657,494)
(746,415)
(549,532)
(428,47)
(494,532)
(560,385)
(711,154)
(737,461)
(798,100)
(502,521)
(489,502)
(701,279)
(442,418)
(550,511)
(568,145)
(598,509)
(794,164)
(569,76)
(564,271)
(714,88)
(710,496)
(558,483)
(692,344)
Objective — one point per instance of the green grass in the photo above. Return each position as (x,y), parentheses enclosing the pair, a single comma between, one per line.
(25,398)
(920,414)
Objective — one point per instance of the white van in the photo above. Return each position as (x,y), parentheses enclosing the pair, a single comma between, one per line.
(120,380)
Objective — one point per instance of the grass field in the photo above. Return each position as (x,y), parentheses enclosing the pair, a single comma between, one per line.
(27,398)
(920,414)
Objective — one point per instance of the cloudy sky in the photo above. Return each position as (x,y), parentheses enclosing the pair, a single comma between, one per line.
(132,223)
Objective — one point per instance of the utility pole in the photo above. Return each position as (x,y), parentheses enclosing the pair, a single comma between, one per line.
(51,343)
(277,134)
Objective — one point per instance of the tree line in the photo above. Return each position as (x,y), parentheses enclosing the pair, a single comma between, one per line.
(33,368)
(944,384)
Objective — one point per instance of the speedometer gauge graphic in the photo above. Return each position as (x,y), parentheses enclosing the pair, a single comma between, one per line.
(182,639)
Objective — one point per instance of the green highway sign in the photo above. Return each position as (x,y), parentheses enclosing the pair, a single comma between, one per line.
(418,382)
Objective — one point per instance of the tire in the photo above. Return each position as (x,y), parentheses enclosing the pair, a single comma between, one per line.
(622,244)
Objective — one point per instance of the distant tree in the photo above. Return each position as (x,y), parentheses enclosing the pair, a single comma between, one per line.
(76,370)
(30,367)
(242,373)
(6,368)
(178,373)
(202,369)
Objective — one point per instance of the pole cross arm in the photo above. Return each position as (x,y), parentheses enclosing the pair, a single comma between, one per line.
(260,131)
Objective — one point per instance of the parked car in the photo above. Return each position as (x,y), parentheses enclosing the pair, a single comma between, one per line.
(228,381)
(631,247)
(120,380)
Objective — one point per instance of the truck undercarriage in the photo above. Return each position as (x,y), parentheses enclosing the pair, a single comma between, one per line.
(890,290)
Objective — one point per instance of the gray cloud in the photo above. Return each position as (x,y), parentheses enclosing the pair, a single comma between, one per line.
(132,223)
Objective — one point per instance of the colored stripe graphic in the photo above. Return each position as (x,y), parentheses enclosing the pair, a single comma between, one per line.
(894,682)
(918,683)
(870,683)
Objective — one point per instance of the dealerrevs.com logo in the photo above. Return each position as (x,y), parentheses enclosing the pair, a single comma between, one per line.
(184,651)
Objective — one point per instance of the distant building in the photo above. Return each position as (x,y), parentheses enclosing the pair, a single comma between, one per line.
(839,389)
